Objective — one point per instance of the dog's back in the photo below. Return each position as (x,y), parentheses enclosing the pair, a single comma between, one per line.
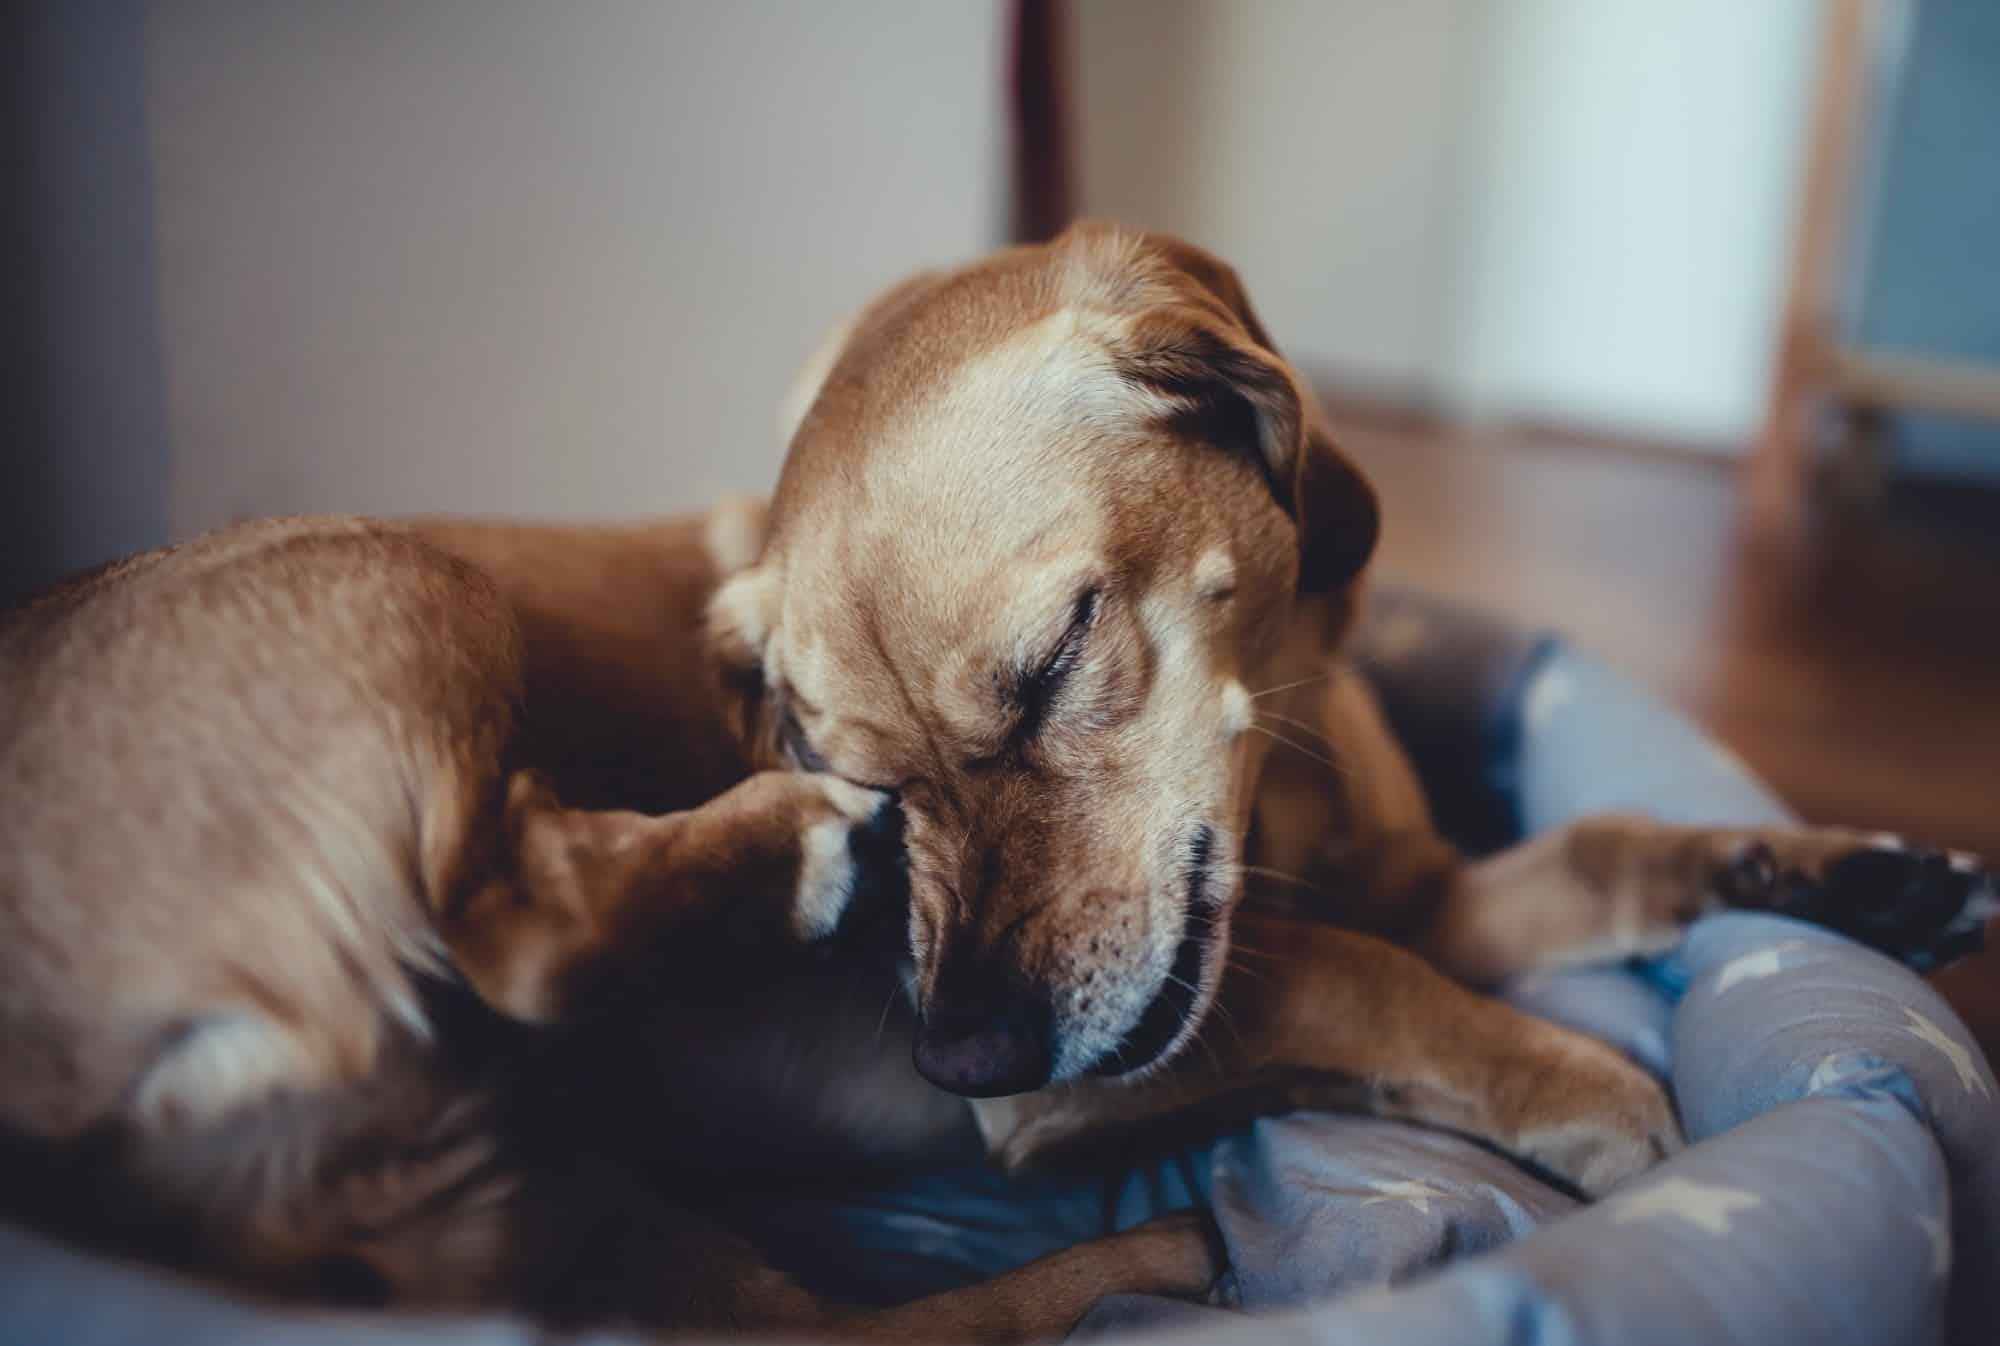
(234,776)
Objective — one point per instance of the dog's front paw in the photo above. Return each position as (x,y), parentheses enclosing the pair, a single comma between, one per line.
(851,865)
(1924,907)
(1593,1118)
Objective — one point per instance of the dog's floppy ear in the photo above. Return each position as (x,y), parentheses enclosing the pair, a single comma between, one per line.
(1205,350)
(739,620)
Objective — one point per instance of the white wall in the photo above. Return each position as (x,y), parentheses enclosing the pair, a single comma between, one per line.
(537,258)
(1629,213)
(1312,143)
(1569,210)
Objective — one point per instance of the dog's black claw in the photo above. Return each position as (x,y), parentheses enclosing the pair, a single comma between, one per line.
(1923,907)
(1750,877)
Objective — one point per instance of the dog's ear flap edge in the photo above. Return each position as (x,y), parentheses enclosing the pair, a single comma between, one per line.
(736,627)
(1332,504)
(1339,515)
(1238,392)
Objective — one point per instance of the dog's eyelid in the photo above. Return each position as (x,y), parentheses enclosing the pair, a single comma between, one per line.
(1032,688)
(1084,611)
(789,695)
(792,735)
(1050,671)
(792,738)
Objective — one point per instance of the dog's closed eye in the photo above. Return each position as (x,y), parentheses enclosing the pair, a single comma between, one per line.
(792,736)
(1034,690)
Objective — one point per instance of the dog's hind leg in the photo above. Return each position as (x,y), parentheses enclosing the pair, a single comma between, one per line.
(1176,1255)
(1356,834)
(1613,885)
(595,1247)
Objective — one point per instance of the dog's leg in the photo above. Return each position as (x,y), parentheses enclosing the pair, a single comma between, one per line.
(1174,1255)
(596,1247)
(1312,1016)
(1360,842)
(1613,885)
(581,904)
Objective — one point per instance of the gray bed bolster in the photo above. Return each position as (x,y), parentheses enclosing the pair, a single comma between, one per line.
(1843,1188)
(1842,1180)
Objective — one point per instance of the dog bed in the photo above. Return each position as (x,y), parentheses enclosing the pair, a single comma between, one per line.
(1842,1183)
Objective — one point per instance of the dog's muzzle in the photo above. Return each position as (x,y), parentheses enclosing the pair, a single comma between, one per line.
(987,1045)
(1166,1016)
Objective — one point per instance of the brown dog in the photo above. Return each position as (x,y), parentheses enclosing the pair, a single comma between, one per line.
(1061,553)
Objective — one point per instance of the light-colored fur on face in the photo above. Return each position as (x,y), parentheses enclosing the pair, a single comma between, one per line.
(1086,453)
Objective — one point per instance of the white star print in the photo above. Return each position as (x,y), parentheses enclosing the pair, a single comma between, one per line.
(1551,692)
(1765,962)
(1940,1237)
(1826,1075)
(1709,1209)
(1955,1051)
(1418,1194)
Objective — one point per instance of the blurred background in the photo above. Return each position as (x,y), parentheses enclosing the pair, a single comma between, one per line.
(1675,326)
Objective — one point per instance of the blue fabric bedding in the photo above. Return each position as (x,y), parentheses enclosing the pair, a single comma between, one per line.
(1842,1183)
(1842,1167)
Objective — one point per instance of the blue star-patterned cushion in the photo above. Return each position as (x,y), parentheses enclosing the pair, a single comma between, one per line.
(1842,1187)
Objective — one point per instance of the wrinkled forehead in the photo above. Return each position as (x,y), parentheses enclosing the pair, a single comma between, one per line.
(984,431)
(939,525)
(910,610)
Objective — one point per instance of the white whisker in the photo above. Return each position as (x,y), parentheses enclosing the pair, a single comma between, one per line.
(1219,1013)
(1303,751)
(1234,968)
(1288,686)
(1263,872)
(1301,725)
(882,1024)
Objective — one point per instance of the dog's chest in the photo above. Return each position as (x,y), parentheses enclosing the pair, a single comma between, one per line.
(805,1072)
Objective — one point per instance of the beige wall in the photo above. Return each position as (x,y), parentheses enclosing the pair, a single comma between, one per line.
(528,257)
(1311,142)
(491,255)
(1570,210)
(1629,213)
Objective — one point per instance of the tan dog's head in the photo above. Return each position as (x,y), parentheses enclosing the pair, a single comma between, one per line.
(1040,540)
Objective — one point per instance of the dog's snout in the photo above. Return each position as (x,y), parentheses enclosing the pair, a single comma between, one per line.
(986,1045)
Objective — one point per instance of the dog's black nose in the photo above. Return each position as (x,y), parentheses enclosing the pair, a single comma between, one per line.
(984,1050)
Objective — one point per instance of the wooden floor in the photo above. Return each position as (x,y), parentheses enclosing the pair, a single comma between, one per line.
(1860,675)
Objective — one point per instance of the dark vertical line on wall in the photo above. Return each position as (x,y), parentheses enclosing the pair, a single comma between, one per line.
(1043,190)
(83,471)
(22,413)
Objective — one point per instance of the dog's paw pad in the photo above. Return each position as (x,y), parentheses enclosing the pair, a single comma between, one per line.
(1748,875)
(1925,907)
